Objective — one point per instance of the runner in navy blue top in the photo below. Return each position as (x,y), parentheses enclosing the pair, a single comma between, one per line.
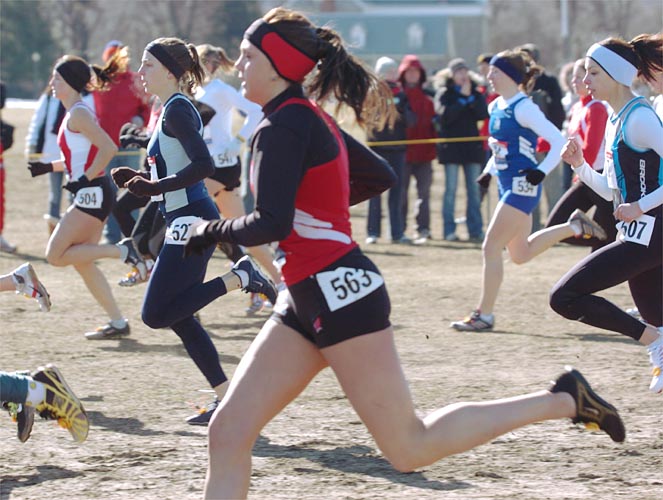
(179,162)
(632,178)
(335,311)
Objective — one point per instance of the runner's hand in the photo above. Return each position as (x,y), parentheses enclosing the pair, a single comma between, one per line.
(140,186)
(199,241)
(39,168)
(122,175)
(533,175)
(74,186)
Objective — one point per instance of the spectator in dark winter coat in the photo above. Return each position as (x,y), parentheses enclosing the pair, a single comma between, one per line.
(419,157)
(459,105)
(387,69)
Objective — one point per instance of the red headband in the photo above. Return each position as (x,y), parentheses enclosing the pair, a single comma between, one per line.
(289,61)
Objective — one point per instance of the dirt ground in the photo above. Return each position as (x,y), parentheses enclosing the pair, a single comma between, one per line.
(138,391)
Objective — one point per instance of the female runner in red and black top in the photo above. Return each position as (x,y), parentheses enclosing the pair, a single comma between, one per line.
(305,174)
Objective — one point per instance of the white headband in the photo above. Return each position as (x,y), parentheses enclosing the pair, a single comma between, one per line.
(615,65)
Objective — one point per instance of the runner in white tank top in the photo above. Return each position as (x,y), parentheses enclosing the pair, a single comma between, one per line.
(86,149)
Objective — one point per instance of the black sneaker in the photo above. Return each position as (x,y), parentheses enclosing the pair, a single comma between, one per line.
(593,411)
(108,332)
(133,258)
(205,414)
(61,403)
(258,282)
(24,416)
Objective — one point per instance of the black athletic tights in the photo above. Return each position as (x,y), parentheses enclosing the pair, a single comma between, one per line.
(642,267)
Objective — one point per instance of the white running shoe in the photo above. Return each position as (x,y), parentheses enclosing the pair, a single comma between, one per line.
(5,246)
(585,227)
(655,350)
(133,277)
(256,303)
(475,322)
(27,284)
(132,257)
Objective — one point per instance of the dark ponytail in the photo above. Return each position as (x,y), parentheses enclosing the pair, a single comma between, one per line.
(118,63)
(339,73)
(648,50)
(215,56)
(532,71)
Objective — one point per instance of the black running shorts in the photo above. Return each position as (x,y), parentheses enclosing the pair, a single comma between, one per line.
(97,199)
(344,300)
(228,176)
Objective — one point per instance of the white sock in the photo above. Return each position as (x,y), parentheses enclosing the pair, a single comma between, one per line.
(119,323)
(243,277)
(36,393)
(124,252)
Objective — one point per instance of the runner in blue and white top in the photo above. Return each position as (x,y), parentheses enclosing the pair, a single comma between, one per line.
(515,124)
(632,179)
(179,163)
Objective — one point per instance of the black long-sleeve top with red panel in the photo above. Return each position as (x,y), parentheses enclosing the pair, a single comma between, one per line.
(305,174)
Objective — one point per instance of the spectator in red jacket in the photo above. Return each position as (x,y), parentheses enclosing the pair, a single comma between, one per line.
(124,101)
(419,157)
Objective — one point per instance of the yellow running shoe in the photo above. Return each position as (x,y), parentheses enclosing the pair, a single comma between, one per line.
(61,403)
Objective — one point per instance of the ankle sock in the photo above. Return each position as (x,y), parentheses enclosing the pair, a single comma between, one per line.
(119,323)
(243,277)
(36,393)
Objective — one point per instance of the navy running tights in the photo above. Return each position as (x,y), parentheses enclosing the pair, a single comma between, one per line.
(176,291)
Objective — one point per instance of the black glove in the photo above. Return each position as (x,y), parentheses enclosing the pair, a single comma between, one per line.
(74,186)
(484,180)
(140,186)
(129,128)
(198,243)
(122,175)
(533,175)
(205,111)
(132,135)
(39,168)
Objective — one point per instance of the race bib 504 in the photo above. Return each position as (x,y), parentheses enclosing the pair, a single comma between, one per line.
(89,197)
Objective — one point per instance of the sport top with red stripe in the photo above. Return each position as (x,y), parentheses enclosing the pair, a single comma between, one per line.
(588,120)
(78,152)
(305,173)
(321,231)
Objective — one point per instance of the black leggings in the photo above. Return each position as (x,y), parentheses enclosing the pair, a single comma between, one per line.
(583,197)
(618,262)
(127,202)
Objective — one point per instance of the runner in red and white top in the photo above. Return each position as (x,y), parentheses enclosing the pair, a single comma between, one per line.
(86,150)
(587,121)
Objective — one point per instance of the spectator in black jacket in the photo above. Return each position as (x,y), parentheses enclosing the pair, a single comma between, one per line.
(459,105)
(387,69)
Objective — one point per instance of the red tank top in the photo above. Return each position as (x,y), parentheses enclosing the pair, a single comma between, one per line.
(321,232)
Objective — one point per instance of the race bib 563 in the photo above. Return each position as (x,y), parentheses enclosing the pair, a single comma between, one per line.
(345,285)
